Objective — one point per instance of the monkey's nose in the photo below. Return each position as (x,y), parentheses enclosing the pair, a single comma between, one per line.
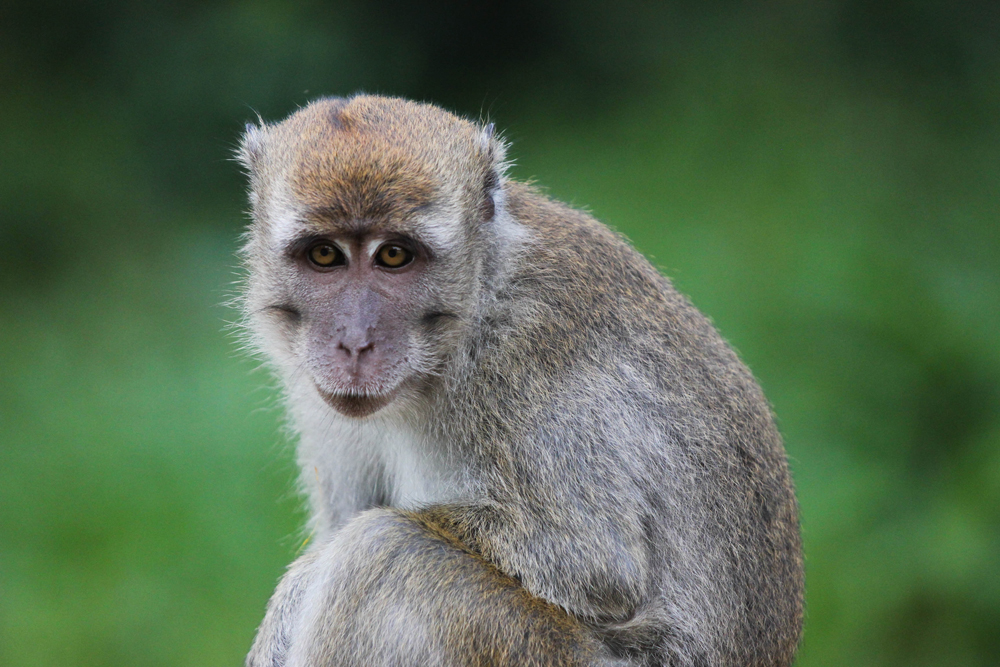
(354,351)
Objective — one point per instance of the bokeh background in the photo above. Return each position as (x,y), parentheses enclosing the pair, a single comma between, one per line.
(821,178)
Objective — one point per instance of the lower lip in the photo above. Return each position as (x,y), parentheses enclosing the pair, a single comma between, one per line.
(357,406)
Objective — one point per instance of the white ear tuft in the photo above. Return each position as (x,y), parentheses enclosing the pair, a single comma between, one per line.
(494,147)
(494,152)
(251,145)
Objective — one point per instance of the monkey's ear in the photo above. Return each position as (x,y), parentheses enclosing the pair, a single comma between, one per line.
(495,151)
(251,146)
(494,147)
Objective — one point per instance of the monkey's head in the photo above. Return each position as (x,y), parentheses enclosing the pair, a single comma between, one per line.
(376,227)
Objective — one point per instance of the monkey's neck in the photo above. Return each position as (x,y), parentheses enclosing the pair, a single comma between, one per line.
(349,465)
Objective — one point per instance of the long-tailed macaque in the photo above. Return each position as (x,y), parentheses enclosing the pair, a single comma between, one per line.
(521,446)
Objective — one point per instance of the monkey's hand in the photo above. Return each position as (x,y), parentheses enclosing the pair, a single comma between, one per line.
(399,588)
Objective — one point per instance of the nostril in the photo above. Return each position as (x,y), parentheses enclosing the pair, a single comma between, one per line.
(353,351)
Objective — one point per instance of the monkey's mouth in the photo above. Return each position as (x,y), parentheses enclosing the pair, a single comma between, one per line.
(357,405)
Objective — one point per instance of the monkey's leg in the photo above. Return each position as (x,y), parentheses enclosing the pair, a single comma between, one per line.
(274,636)
(391,588)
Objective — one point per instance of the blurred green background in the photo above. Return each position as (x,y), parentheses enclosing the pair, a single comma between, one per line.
(822,179)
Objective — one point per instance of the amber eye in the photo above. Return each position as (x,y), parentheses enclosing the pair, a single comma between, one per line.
(393,256)
(326,255)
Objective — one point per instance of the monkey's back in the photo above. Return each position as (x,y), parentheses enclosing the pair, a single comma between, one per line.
(687,487)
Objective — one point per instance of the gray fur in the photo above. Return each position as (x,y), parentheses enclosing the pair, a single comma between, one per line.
(580,470)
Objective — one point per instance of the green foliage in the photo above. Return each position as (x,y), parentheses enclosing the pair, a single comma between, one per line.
(821,180)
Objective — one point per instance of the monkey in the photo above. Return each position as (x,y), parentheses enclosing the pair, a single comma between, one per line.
(520,445)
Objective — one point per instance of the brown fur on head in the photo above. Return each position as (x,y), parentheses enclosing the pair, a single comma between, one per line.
(373,158)
(358,174)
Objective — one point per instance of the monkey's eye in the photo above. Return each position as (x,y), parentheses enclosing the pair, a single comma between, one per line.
(325,255)
(393,256)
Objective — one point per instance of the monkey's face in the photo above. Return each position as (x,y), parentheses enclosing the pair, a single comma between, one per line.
(364,315)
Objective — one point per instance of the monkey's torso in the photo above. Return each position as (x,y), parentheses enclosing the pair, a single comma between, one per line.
(647,436)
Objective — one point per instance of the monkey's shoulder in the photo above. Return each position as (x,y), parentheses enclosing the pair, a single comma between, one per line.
(599,310)
(597,289)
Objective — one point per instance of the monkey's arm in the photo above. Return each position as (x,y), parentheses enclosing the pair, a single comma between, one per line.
(566,508)
(600,574)
(398,588)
